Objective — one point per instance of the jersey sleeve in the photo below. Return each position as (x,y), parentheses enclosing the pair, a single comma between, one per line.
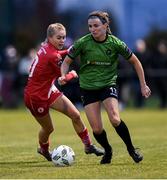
(123,49)
(75,49)
(63,52)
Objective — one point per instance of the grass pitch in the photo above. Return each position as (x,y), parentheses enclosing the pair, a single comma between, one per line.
(18,143)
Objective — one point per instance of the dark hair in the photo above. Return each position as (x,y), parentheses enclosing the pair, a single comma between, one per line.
(103,16)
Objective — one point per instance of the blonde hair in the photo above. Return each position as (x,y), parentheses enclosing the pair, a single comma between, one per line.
(103,16)
(53,28)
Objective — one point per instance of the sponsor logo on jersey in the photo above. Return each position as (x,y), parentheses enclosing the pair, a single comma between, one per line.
(99,63)
(108,52)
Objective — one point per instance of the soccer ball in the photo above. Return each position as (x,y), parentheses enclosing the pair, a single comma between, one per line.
(63,156)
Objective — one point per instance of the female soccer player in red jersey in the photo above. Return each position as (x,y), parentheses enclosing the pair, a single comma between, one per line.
(41,94)
(99,51)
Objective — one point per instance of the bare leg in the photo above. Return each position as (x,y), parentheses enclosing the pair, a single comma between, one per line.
(46,127)
(94,117)
(93,112)
(111,106)
(64,105)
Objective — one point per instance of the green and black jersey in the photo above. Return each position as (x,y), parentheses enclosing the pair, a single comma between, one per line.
(99,60)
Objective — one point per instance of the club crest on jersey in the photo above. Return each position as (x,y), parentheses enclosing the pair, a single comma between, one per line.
(108,52)
(40,109)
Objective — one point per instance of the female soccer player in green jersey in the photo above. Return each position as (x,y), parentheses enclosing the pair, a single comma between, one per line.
(98,53)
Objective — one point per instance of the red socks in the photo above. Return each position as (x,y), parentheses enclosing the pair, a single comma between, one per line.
(85,137)
(44,146)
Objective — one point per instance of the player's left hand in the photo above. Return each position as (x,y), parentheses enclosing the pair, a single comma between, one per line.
(68,77)
(145,90)
(62,80)
(71,75)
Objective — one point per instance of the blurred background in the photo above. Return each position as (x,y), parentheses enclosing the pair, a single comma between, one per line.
(141,24)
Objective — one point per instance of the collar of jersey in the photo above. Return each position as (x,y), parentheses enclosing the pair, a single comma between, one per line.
(100,41)
(51,45)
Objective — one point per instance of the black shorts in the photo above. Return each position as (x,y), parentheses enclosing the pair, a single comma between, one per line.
(91,96)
